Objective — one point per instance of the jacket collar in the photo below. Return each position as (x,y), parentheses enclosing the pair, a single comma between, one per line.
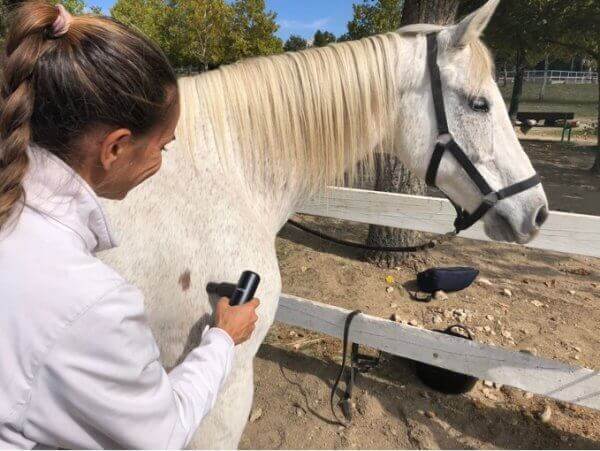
(55,190)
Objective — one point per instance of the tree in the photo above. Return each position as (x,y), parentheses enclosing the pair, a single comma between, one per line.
(430,11)
(252,30)
(203,33)
(516,32)
(323,38)
(575,27)
(344,37)
(146,15)
(190,32)
(531,28)
(372,17)
(197,33)
(94,9)
(295,43)
(391,175)
(73,6)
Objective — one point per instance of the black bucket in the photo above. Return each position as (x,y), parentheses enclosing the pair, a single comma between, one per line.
(443,380)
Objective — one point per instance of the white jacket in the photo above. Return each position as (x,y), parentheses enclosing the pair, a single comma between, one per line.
(78,363)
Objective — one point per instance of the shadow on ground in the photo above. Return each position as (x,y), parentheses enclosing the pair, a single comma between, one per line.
(457,422)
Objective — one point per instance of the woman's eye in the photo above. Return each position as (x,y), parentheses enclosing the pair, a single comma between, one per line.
(479,104)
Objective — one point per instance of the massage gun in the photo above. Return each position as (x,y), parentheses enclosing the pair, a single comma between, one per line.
(237,294)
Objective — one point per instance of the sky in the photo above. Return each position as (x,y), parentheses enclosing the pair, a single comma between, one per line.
(304,17)
(301,17)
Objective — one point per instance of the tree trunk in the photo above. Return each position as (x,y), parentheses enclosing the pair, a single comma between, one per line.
(545,82)
(517,84)
(391,175)
(440,12)
(596,166)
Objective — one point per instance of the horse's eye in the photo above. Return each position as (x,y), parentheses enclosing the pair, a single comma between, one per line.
(479,104)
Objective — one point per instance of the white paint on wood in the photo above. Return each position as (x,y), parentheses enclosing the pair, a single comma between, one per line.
(562,232)
(550,378)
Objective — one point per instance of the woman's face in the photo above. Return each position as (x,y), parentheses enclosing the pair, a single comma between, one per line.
(126,160)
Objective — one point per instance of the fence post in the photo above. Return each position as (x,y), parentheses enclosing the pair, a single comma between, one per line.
(543,87)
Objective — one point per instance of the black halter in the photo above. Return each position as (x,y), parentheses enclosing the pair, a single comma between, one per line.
(446,142)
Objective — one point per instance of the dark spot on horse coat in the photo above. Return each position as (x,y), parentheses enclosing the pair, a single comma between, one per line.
(185,280)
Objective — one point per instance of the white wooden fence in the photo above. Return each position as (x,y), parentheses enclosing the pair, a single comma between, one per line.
(563,232)
(564,76)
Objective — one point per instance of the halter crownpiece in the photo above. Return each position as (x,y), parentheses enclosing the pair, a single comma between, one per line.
(446,142)
(62,23)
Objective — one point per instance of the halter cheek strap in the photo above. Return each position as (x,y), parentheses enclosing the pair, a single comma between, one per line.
(446,142)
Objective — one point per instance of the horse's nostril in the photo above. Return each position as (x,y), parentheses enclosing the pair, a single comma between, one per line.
(541,216)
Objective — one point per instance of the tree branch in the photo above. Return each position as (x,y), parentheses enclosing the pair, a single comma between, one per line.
(586,50)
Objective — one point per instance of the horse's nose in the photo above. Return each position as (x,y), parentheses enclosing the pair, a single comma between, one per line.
(541,216)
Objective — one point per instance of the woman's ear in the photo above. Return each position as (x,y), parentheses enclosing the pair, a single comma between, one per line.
(113,146)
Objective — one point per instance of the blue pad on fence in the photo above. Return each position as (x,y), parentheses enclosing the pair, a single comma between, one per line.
(446,279)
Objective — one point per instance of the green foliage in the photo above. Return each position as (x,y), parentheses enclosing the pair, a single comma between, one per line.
(252,30)
(542,26)
(322,38)
(516,24)
(73,6)
(372,17)
(195,32)
(575,27)
(295,43)
(145,15)
(203,33)
(96,10)
(344,37)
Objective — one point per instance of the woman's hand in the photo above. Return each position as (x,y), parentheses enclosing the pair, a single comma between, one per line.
(238,321)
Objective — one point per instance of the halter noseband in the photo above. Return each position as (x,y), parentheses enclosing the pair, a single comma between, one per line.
(446,142)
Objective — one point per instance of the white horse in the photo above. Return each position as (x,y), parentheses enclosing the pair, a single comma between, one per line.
(257,137)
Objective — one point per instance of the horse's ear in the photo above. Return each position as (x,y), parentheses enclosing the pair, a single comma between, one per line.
(471,27)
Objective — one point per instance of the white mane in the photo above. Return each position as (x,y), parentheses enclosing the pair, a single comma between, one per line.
(313,112)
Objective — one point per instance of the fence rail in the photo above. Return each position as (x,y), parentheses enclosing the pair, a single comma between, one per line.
(551,76)
(545,377)
(564,232)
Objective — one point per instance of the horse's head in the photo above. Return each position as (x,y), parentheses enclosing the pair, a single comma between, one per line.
(478,123)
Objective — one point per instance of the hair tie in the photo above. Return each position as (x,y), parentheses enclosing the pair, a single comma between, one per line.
(62,23)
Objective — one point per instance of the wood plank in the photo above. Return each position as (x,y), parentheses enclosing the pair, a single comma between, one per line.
(562,232)
(547,115)
(550,378)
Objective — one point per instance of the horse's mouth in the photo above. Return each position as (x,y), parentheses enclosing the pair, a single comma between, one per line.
(499,228)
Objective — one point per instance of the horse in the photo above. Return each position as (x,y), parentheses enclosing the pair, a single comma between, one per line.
(258,137)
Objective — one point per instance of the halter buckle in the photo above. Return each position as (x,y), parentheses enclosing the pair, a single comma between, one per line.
(444,139)
(491,199)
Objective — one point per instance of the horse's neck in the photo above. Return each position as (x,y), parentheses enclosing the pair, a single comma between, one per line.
(274,191)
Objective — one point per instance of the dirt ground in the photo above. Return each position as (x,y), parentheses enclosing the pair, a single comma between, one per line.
(553,311)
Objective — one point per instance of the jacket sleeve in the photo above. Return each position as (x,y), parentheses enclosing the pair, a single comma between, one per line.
(101,384)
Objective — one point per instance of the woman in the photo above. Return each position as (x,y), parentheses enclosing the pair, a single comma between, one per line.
(86,107)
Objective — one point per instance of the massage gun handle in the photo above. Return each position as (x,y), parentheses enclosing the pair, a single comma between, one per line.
(245,288)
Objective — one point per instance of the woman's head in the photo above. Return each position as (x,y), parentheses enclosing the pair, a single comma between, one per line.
(96,93)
